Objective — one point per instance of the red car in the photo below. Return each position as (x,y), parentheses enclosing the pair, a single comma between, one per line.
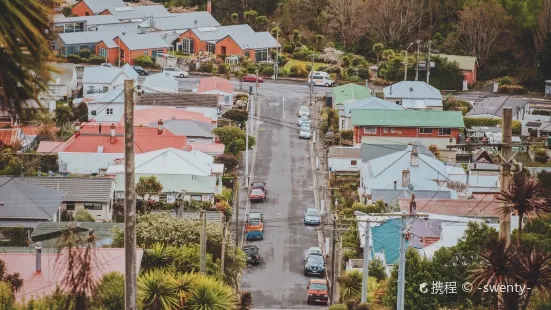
(252,78)
(257,194)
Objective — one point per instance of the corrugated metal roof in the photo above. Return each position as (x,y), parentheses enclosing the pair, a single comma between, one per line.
(138,12)
(78,189)
(73,38)
(48,232)
(391,196)
(178,99)
(412,90)
(455,207)
(243,35)
(408,118)
(160,82)
(372,151)
(90,20)
(97,6)
(143,41)
(183,21)
(348,92)
(100,75)
(371,103)
(467,63)
(344,152)
(215,83)
(210,149)
(173,183)
(188,128)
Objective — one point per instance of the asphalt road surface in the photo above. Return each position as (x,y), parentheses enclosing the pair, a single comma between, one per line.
(284,162)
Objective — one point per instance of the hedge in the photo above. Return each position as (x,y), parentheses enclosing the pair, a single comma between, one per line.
(76,59)
(512,89)
(490,122)
(96,60)
(144,61)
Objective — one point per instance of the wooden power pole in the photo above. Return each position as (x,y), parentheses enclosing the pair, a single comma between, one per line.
(203,266)
(506,154)
(130,294)
(223,250)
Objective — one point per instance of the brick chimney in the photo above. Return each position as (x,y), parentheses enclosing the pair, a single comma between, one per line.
(38,255)
(160,127)
(414,157)
(405,178)
(112,136)
(209,6)
(99,128)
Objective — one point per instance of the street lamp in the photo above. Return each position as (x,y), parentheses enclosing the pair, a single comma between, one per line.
(406,63)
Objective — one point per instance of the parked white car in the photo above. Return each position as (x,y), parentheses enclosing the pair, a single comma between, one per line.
(319,78)
(303,119)
(175,72)
(305,133)
(304,111)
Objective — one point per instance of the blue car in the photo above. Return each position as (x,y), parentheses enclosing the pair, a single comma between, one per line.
(254,234)
(315,265)
(312,217)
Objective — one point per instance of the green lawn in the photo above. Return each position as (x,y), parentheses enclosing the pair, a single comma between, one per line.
(293,62)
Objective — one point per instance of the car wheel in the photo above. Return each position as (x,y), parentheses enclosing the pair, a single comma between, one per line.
(307,302)
(262,238)
(323,275)
(326,84)
(305,273)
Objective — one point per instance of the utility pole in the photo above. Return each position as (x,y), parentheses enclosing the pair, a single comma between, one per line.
(417,65)
(256,95)
(367,254)
(506,154)
(311,80)
(334,246)
(203,266)
(276,66)
(402,266)
(223,254)
(428,64)
(406,63)
(129,199)
(236,207)
(246,153)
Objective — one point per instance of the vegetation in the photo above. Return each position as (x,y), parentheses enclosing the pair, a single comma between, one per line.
(233,139)
(82,215)
(110,292)
(144,61)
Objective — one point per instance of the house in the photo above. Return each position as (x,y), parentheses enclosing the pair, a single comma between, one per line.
(94,7)
(195,131)
(90,193)
(160,83)
(95,147)
(9,116)
(402,170)
(217,86)
(348,92)
(64,24)
(342,159)
(487,210)
(105,107)
(24,204)
(104,79)
(63,82)
(414,95)
(207,148)
(189,175)
(372,151)
(144,117)
(493,107)
(403,126)
(181,22)
(371,103)
(130,46)
(19,136)
(43,270)
(201,103)
(126,13)
(48,233)
(467,64)
(72,43)
(230,40)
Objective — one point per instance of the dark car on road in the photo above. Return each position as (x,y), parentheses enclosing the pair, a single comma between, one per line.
(252,78)
(253,257)
(260,185)
(315,266)
(140,70)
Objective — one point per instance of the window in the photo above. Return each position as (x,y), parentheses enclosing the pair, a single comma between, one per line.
(156,53)
(79,27)
(103,52)
(93,112)
(145,53)
(425,131)
(398,102)
(227,100)
(70,206)
(69,50)
(83,47)
(353,162)
(261,55)
(55,90)
(385,130)
(105,89)
(92,206)
(248,54)
(90,89)
(187,46)
(109,111)
(211,48)
(343,124)
(370,129)
(69,27)
(196,198)
(444,131)
(59,29)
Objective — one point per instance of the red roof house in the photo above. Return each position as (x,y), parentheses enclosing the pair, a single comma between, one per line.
(455,207)
(144,117)
(214,85)
(8,136)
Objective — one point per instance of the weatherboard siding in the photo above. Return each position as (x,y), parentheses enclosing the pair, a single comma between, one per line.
(232,48)
(112,53)
(105,214)
(401,132)
(198,45)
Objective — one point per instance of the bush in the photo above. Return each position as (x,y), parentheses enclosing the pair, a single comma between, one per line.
(268,71)
(252,67)
(381,82)
(283,73)
(355,79)
(541,155)
(347,135)
(336,70)
(82,215)
(453,104)
(338,307)
(144,61)
(84,53)
(287,48)
(110,292)
(302,53)
(363,73)
(506,80)
(76,59)
(96,60)
(206,66)
(223,68)
(482,121)
(517,127)
(298,71)
(512,89)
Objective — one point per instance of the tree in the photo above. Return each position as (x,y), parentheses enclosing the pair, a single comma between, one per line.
(234,18)
(24,51)
(319,41)
(347,19)
(230,161)
(295,37)
(434,149)
(250,17)
(544,58)
(158,256)
(144,61)
(110,292)
(63,115)
(378,49)
(524,198)
(377,269)
(392,22)
(148,187)
(350,285)
(209,294)
(158,290)
(261,23)
(82,215)
(483,30)
(233,139)
(236,115)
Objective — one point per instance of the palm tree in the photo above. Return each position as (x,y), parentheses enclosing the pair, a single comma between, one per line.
(24,51)
(184,284)
(210,294)
(158,256)
(158,290)
(350,285)
(534,268)
(524,198)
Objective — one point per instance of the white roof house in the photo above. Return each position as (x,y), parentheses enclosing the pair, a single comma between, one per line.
(160,82)
(181,21)
(414,95)
(105,79)
(137,13)
(143,41)
(63,81)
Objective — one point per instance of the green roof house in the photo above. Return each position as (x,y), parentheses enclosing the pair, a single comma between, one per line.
(349,92)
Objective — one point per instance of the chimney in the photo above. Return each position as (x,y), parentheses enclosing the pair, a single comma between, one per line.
(405,177)
(77,126)
(209,6)
(412,205)
(395,184)
(414,157)
(38,254)
(160,127)
(112,137)
(99,129)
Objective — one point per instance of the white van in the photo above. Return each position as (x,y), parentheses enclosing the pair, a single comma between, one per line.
(320,78)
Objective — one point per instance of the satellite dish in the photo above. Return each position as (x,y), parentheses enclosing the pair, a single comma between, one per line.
(411,89)
(410,187)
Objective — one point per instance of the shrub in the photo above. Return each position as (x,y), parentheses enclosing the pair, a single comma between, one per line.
(355,79)
(506,80)
(363,72)
(454,104)
(381,82)
(287,48)
(347,134)
(482,121)
(110,292)
(144,61)
(302,53)
(268,71)
(512,89)
(336,70)
(76,59)
(541,155)
(517,127)
(84,53)
(82,215)
(298,71)
(206,66)
(338,307)
(252,67)
(282,73)
(96,60)
(223,68)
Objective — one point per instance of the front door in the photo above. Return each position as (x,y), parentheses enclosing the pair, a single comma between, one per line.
(223,50)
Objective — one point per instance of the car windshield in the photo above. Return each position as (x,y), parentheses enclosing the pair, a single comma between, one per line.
(254,222)
(318,286)
(303,109)
(312,212)
(256,191)
(254,215)
(315,259)
(258,185)
(249,250)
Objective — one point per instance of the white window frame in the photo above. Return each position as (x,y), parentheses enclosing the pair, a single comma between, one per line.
(196,198)
(102,52)
(440,131)
(90,89)
(370,130)
(422,131)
